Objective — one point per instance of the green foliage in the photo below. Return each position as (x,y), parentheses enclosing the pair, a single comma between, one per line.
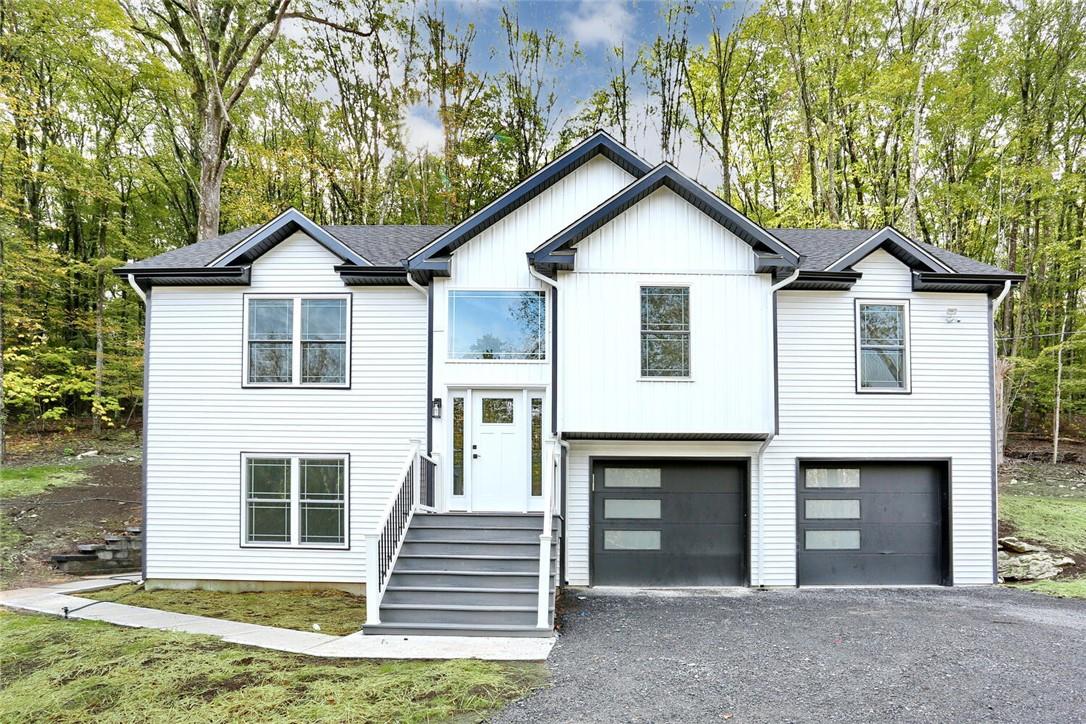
(1059,587)
(76,671)
(337,613)
(17,482)
(1056,522)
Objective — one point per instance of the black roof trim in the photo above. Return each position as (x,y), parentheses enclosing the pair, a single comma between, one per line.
(991,284)
(385,276)
(599,143)
(902,247)
(278,229)
(664,175)
(714,436)
(823,281)
(191,276)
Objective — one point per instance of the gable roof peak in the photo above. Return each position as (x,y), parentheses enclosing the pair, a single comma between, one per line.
(279,228)
(900,246)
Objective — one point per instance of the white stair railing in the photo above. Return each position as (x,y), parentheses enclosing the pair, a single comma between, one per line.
(550,503)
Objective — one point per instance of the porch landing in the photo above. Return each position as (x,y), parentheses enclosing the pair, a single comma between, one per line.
(52,600)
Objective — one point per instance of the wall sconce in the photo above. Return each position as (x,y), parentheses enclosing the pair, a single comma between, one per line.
(952,315)
(435,408)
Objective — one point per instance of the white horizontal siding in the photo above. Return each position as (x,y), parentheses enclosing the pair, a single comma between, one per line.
(200,419)
(947,415)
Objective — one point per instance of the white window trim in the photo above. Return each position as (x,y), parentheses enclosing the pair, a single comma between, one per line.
(907,387)
(296,342)
(545,359)
(689,376)
(295,501)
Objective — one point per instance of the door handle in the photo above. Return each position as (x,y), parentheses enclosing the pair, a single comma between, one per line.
(475,456)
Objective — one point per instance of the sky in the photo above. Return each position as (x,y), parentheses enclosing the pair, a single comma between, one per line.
(596,26)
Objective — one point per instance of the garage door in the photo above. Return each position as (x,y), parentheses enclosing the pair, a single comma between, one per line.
(669,523)
(872,523)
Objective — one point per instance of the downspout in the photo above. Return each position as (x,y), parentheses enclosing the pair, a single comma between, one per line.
(139,292)
(418,287)
(143,426)
(772,433)
(995,429)
(433,473)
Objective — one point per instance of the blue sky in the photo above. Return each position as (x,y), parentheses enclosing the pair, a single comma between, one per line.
(596,26)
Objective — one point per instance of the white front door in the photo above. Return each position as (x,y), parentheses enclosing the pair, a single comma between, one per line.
(499,451)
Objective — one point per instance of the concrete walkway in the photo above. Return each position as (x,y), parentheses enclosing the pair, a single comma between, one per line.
(55,599)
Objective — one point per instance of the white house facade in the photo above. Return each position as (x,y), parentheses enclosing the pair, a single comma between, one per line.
(608,376)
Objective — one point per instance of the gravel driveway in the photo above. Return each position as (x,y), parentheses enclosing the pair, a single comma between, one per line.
(796,655)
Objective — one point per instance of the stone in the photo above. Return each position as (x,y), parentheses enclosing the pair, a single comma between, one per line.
(1030,566)
(88,454)
(1010,543)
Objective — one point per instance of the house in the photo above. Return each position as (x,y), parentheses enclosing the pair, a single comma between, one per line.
(695,401)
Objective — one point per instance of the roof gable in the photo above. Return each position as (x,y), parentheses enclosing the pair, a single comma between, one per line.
(901,247)
(282,226)
(599,143)
(555,251)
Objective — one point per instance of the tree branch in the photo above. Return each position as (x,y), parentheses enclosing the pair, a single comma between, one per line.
(330,23)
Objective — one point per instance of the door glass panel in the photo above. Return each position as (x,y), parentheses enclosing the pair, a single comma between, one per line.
(631,478)
(497,410)
(832,540)
(458,446)
(831,509)
(537,446)
(631,540)
(832,477)
(620,508)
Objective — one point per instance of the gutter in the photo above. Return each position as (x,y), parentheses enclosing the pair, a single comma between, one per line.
(760,455)
(994,307)
(417,287)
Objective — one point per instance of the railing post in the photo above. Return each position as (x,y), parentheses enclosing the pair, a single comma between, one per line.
(544,605)
(373,580)
(416,478)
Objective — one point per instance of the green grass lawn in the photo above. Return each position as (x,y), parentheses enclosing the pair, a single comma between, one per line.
(1056,522)
(337,613)
(77,671)
(19,481)
(1060,587)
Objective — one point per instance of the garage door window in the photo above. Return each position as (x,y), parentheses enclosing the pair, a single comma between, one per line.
(631,540)
(625,508)
(832,540)
(631,478)
(831,509)
(832,478)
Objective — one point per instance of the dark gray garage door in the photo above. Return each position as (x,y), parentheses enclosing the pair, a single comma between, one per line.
(669,523)
(872,523)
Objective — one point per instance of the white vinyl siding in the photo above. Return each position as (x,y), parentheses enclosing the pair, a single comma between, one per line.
(200,419)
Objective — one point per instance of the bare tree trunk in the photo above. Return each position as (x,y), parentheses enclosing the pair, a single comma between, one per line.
(1059,383)
(212,166)
(910,211)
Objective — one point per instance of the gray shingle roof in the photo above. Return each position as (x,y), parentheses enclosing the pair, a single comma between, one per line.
(381,244)
(822,247)
(390,244)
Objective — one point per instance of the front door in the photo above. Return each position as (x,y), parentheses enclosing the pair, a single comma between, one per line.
(499,451)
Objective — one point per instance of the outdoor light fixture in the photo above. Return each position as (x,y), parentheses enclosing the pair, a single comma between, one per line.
(435,408)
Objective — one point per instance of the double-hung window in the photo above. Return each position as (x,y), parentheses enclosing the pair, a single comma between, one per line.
(294,500)
(665,331)
(297,340)
(882,346)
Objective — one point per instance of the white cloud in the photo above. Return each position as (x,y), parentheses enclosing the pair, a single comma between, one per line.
(600,22)
(422,129)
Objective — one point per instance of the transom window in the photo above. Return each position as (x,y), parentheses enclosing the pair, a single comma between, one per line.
(882,333)
(294,500)
(297,341)
(497,325)
(665,332)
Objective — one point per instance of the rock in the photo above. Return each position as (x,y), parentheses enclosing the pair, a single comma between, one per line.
(88,454)
(1010,543)
(1030,566)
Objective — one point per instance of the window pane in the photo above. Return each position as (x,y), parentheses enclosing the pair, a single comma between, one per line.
(537,446)
(832,540)
(665,354)
(269,478)
(882,368)
(322,523)
(619,508)
(269,522)
(322,479)
(324,363)
(269,362)
(631,540)
(665,308)
(458,446)
(271,319)
(324,320)
(665,332)
(832,477)
(497,325)
(631,478)
(882,324)
(830,509)
(498,410)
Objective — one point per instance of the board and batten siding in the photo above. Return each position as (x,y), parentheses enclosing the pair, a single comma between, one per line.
(200,419)
(947,415)
(664,241)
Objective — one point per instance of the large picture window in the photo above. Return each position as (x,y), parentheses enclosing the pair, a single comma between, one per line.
(497,325)
(297,340)
(665,332)
(882,332)
(294,500)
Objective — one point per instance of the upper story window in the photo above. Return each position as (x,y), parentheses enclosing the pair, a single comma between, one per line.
(665,331)
(497,325)
(297,340)
(882,346)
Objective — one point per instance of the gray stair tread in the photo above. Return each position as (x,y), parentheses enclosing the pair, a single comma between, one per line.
(469,556)
(458,589)
(444,572)
(478,541)
(490,627)
(453,607)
